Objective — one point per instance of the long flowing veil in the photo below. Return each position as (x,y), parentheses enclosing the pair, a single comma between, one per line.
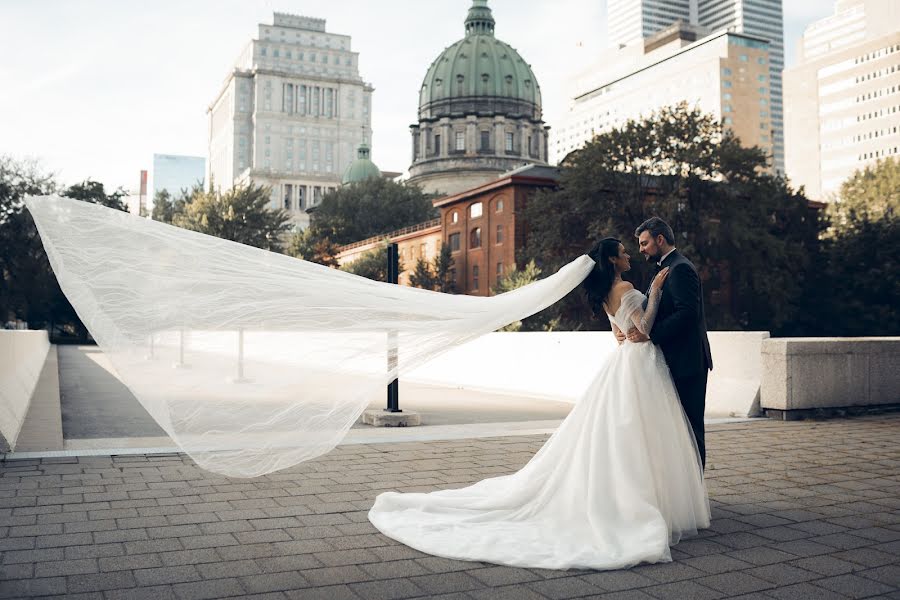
(253,361)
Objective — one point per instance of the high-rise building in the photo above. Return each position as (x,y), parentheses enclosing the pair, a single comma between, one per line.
(762,19)
(173,173)
(843,95)
(723,74)
(290,114)
(631,21)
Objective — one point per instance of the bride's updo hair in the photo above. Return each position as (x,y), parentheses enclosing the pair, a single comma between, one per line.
(600,280)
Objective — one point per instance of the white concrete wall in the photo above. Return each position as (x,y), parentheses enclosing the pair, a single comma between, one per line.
(22,356)
(560,366)
(816,373)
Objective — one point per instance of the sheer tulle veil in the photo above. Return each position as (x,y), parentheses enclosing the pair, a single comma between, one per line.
(253,361)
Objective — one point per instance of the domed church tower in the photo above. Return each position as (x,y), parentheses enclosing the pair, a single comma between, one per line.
(479,112)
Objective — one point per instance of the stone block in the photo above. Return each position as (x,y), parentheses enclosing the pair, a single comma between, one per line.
(381,418)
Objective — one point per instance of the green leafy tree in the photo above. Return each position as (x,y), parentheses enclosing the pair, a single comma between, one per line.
(514,279)
(302,244)
(372,264)
(163,207)
(856,279)
(95,193)
(435,275)
(748,232)
(240,215)
(369,208)
(28,288)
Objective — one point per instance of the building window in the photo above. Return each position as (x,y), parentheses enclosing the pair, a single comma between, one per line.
(764,114)
(454,217)
(301,197)
(475,238)
(485,140)
(726,84)
(509,141)
(454,242)
(263,51)
(499,234)
(437,143)
(763,102)
(474,277)
(288,192)
(726,96)
(761,78)
(726,71)
(761,60)
(475,210)
(499,205)
(728,121)
(460,140)
(727,108)
(499,270)
(763,90)
(743,57)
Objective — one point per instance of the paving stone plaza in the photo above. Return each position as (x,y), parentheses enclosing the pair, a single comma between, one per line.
(803,509)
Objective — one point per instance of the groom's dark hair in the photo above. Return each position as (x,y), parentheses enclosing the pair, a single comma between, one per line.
(656,226)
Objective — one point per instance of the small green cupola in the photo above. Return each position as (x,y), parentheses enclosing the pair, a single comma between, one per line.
(360,169)
(480,19)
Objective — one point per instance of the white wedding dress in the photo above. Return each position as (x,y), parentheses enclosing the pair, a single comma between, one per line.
(616,485)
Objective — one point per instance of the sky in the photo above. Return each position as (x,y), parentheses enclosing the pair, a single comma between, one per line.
(94,88)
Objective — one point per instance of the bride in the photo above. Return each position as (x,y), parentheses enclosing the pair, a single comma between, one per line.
(616,485)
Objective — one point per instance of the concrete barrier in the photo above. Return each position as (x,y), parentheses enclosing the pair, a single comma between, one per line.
(561,365)
(22,356)
(819,376)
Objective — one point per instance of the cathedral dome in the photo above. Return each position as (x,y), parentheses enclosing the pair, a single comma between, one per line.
(360,169)
(479,74)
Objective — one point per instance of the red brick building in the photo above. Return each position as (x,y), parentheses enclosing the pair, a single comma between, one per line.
(480,226)
(483,228)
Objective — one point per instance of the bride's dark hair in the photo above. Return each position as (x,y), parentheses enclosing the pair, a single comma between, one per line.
(600,280)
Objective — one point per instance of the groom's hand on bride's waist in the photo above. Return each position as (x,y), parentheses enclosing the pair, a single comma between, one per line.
(635,336)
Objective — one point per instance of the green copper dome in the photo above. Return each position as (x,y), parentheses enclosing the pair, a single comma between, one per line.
(479,74)
(360,169)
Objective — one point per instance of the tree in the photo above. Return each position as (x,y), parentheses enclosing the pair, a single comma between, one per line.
(372,264)
(436,275)
(240,215)
(870,194)
(746,230)
(369,208)
(94,192)
(302,244)
(514,279)
(28,288)
(856,280)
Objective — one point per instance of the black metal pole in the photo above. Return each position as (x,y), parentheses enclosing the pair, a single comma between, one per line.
(393,275)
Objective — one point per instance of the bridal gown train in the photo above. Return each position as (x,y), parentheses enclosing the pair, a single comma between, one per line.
(615,485)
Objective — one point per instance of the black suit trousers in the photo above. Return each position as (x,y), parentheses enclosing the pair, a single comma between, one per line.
(692,393)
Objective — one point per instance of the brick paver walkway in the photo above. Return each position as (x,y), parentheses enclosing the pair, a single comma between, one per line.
(800,510)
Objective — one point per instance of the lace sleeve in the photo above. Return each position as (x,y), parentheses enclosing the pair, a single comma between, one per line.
(643,318)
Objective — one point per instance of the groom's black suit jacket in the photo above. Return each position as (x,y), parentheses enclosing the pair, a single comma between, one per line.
(680,326)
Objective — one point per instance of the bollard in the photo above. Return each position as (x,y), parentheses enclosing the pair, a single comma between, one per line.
(393,389)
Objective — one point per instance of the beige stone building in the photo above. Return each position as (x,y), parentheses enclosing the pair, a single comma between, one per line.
(290,114)
(842,98)
(725,74)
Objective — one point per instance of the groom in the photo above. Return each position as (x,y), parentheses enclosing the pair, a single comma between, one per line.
(680,326)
